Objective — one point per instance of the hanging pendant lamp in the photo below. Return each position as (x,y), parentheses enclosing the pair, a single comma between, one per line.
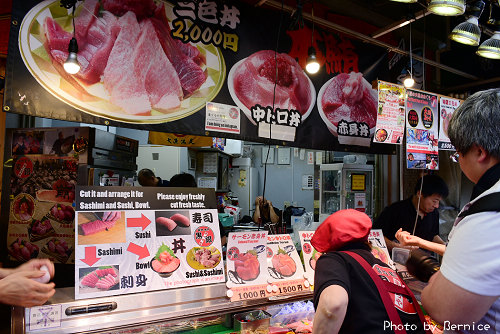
(447,7)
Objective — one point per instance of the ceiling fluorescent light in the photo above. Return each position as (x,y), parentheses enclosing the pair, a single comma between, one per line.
(447,7)
(490,48)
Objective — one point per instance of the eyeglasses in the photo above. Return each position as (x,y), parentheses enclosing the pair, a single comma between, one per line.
(454,157)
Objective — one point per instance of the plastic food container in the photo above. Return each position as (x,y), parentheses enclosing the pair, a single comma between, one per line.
(400,255)
(252,322)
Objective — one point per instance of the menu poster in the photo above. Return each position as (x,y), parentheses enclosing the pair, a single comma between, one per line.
(309,254)
(379,247)
(247,265)
(132,240)
(421,130)
(447,107)
(286,273)
(390,113)
(41,216)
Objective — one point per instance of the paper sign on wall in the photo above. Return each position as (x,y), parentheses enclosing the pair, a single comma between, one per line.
(309,254)
(379,247)
(447,107)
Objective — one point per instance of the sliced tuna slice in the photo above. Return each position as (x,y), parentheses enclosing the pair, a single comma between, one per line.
(180,219)
(85,19)
(191,75)
(141,8)
(167,222)
(119,75)
(156,71)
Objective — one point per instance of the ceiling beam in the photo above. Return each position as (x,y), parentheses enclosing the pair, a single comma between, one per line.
(399,24)
(371,40)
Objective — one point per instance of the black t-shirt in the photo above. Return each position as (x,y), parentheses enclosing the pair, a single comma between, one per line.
(402,215)
(365,310)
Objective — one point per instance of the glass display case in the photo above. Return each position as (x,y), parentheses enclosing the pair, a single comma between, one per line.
(345,186)
(197,309)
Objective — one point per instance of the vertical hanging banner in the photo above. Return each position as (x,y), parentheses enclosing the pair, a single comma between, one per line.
(447,107)
(421,130)
(143,239)
(390,113)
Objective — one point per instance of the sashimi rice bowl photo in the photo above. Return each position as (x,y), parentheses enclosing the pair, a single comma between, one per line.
(348,98)
(165,262)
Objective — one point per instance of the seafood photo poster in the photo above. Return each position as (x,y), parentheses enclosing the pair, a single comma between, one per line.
(137,239)
(309,254)
(422,125)
(447,107)
(247,265)
(379,247)
(41,217)
(390,113)
(212,53)
(284,264)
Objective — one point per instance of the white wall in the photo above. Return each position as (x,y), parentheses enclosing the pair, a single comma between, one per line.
(167,163)
(284,182)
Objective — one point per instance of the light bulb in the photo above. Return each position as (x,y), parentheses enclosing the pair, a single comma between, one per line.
(71,64)
(409,82)
(312,65)
(467,32)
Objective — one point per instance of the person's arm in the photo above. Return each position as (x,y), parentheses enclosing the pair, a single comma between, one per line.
(20,289)
(272,214)
(445,301)
(407,240)
(4,272)
(331,310)
(256,213)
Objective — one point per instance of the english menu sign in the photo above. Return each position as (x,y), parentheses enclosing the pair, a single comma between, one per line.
(143,239)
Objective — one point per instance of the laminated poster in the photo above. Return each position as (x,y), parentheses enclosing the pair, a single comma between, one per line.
(247,265)
(447,107)
(137,239)
(41,217)
(390,113)
(421,130)
(379,247)
(309,254)
(284,265)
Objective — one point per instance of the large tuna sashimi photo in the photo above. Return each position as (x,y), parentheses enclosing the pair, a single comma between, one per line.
(132,69)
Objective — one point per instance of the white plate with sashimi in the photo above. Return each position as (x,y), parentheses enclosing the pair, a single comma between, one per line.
(132,69)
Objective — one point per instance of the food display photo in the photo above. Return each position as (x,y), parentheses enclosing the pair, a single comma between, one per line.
(346,99)
(251,82)
(98,279)
(165,262)
(101,227)
(125,53)
(172,223)
(203,257)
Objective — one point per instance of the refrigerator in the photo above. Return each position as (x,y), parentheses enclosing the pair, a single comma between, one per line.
(345,186)
(243,182)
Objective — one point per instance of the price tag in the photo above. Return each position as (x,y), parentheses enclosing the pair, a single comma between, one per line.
(249,292)
(289,287)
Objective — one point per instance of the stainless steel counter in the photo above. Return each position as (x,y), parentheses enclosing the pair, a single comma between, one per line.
(143,308)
